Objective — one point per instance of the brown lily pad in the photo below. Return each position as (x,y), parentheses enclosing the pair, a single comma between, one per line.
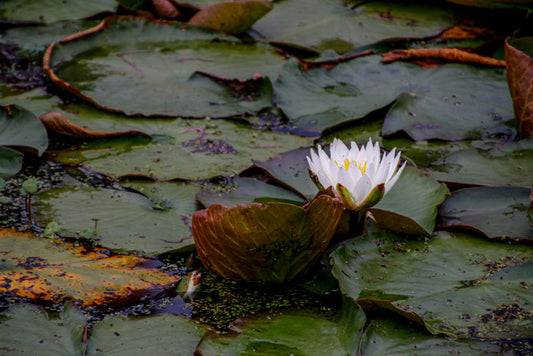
(45,269)
(518,54)
(274,242)
(57,124)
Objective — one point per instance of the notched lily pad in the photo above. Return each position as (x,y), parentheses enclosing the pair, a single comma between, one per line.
(157,64)
(21,128)
(274,242)
(44,269)
(510,164)
(454,284)
(120,220)
(411,205)
(497,212)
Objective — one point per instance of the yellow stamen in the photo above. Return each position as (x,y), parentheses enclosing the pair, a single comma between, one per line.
(346,165)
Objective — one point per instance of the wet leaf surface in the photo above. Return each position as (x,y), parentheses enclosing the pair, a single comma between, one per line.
(44,269)
(453,284)
(497,212)
(124,58)
(125,221)
(28,329)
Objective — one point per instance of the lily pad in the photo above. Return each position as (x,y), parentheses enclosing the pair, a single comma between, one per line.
(125,221)
(10,162)
(44,269)
(274,242)
(496,4)
(31,41)
(290,168)
(248,190)
(21,128)
(185,149)
(48,11)
(411,205)
(159,65)
(231,17)
(157,335)
(289,333)
(497,212)
(519,58)
(28,329)
(453,102)
(392,337)
(508,165)
(454,284)
(332,24)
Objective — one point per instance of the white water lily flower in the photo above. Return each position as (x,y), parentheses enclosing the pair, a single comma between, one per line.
(360,175)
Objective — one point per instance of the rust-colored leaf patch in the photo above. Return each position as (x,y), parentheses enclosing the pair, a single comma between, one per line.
(232,16)
(445,54)
(520,80)
(50,270)
(57,124)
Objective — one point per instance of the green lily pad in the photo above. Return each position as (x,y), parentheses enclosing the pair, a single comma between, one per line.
(157,335)
(48,11)
(453,284)
(392,337)
(453,102)
(274,242)
(289,333)
(508,165)
(496,4)
(162,65)
(332,24)
(347,92)
(28,329)
(48,270)
(497,212)
(10,162)
(290,169)
(21,128)
(180,150)
(248,190)
(411,205)
(31,41)
(126,221)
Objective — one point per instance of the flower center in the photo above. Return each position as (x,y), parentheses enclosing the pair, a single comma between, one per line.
(346,165)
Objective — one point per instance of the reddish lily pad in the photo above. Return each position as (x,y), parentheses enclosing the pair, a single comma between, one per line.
(124,58)
(454,284)
(232,17)
(497,212)
(519,58)
(274,242)
(44,269)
